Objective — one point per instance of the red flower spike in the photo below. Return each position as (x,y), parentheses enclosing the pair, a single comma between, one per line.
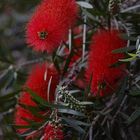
(53,133)
(39,78)
(38,82)
(105,78)
(50,23)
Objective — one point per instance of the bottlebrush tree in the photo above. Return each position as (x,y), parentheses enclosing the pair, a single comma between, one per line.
(77,77)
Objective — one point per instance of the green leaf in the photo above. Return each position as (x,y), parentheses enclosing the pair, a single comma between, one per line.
(4,78)
(8,105)
(124,116)
(22,126)
(9,95)
(85,4)
(34,110)
(38,99)
(90,16)
(126,37)
(128,59)
(87,89)
(124,50)
(74,125)
(32,123)
(135,115)
(43,102)
(86,103)
(56,60)
(117,64)
(11,80)
(74,91)
(132,54)
(77,122)
(135,93)
(72,112)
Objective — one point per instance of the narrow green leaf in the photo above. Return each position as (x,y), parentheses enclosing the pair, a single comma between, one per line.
(85,4)
(128,59)
(135,115)
(77,122)
(38,99)
(135,93)
(74,125)
(124,50)
(9,95)
(43,102)
(87,89)
(72,112)
(34,110)
(86,103)
(132,54)
(22,126)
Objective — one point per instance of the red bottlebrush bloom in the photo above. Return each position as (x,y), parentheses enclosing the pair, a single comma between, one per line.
(39,78)
(50,23)
(104,77)
(53,133)
(38,81)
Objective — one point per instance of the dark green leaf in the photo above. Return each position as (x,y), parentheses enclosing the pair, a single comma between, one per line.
(38,99)
(135,115)
(135,93)
(124,50)
(72,112)
(34,110)
(74,125)
(9,95)
(76,121)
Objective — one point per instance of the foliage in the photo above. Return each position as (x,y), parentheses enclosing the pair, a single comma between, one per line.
(113,117)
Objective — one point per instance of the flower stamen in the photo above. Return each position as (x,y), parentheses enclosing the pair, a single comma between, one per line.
(42,35)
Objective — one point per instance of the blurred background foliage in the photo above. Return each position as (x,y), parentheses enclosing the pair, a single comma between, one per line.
(14,15)
(16,59)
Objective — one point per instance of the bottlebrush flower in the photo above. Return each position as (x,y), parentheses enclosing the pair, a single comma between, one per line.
(39,78)
(50,23)
(104,77)
(38,81)
(53,133)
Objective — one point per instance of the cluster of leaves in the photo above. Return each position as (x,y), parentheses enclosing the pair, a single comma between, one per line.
(114,117)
